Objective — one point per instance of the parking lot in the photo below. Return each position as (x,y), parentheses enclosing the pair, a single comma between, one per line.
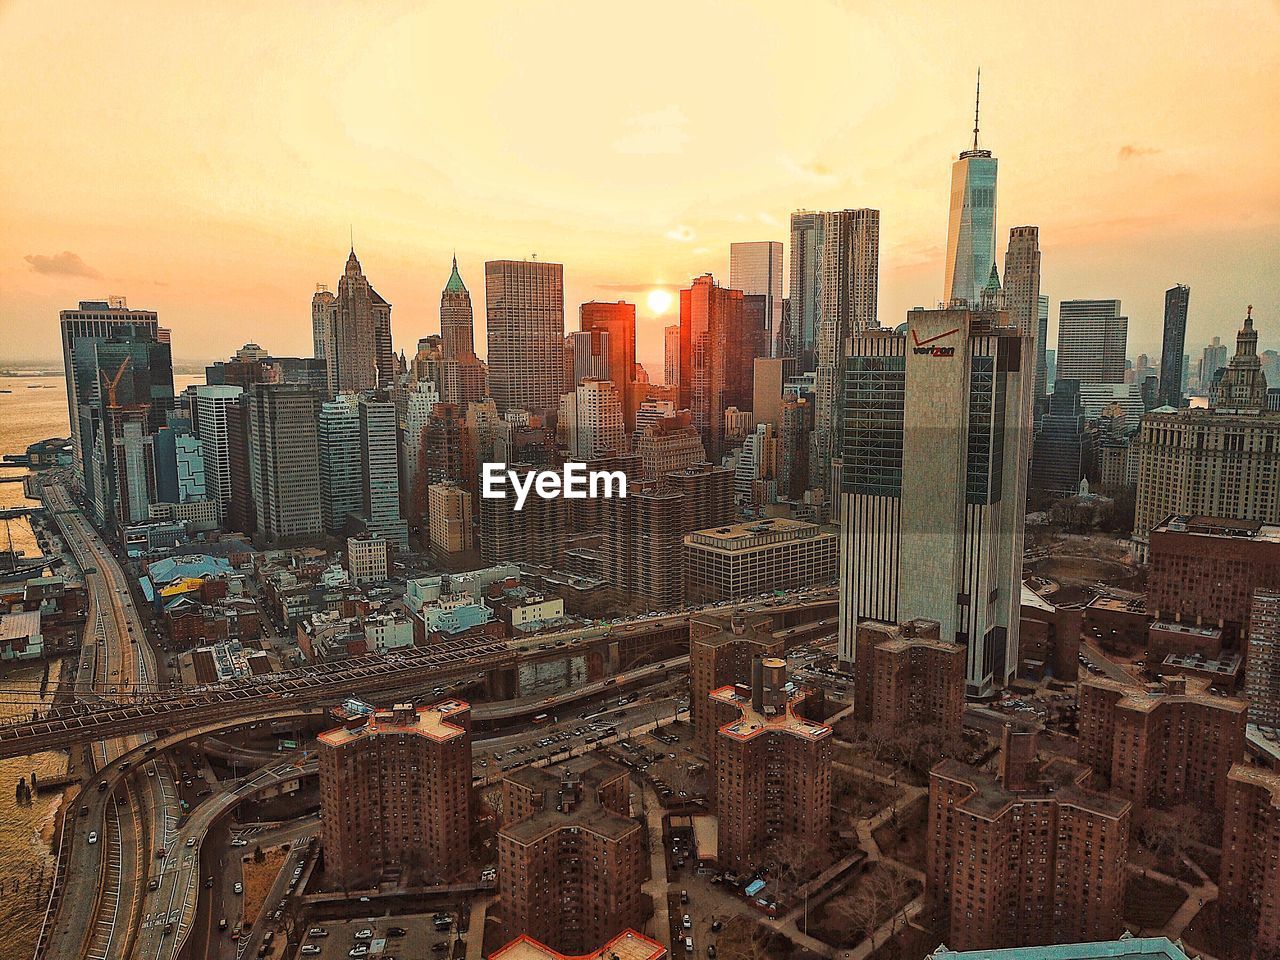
(409,937)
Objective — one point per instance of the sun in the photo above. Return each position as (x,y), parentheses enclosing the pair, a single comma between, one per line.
(660,301)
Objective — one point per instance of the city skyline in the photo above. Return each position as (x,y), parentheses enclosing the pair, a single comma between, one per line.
(215,247)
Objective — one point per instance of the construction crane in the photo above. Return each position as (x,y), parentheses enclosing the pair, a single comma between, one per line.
(112,384)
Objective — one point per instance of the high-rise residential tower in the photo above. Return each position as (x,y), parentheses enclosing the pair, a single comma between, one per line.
(755,267)
(1176,299)
(1092,337)
(671,354)
(971,226)
(709,316)
(591,418)
(82,329)
(933,490)
(805,301)
(524,304)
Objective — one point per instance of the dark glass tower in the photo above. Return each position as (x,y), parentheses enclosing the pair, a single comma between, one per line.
(1175,336)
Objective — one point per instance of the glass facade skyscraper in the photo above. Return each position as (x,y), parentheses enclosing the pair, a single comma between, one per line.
(971,227)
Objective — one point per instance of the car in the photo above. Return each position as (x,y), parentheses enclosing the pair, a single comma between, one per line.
(688,944)
(440,946)
(168,929)
(208,883)
(359,950)
(715,926)
(365,934)
(396,931)
(237,842)
(160,853)
(684,896)
(317,932)
(687,922)
(222,923)
(102,786)
(191,841)
(93,836)
(153,883)
(711,951)
(237,887)
(311,950)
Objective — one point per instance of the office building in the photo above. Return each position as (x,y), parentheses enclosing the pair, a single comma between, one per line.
(768,388)
(1223,461)
(971,224)
(1062,444)
(908,676)
(1161,744)
(571,860)
(1249,892)
(617,322)
(358,352)
(92,322)
(395,795)
(368,558)
(1092,338)
(380,489)
(1212,359)
(524,304)
(710,316)
(1022,295)
(284,460)
(591,421)
(773,771)
(419,401)
(339,449)
(590,355)
(1033,856)
(1262,670)
(804,302)
(755,268)
(457,338)
(746,559)
(449,522)
(933,490)
(214,409)
(322,302)
(1176,299)
(628,945)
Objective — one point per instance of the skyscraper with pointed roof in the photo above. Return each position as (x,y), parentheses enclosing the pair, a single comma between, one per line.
(360,334)
(971,227)
(457,340)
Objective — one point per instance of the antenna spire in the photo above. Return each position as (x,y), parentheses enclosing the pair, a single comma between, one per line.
(352,227)
(977,99)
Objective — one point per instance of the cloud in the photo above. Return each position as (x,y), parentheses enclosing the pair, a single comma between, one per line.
(1129,151)
(812,171)
(654,133)
(681,233)
(768,218)
(64,264)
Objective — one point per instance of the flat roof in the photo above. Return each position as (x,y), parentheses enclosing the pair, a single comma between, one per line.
(19,626)
(1147,697)
(1127,948)
(433,722)
(1032,599)
(628,945)
(751,724)
(1205,526)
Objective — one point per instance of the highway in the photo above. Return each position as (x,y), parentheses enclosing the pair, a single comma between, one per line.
(96,910)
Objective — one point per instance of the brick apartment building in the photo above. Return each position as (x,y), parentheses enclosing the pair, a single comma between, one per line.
(1161,744)
(721,650)
(773,771)
(1250,890)
(571,860)
(395,794)
(1030,857)
(628,945)
(1204,570)
(906,674)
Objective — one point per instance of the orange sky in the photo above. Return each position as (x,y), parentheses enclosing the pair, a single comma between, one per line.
(206,160)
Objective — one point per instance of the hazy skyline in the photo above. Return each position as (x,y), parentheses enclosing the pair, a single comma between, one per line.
(208,162)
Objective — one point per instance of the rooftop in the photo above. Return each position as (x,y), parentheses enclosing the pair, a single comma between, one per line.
(570,799)
(1219,527)
(1059,779)
(19,626)
(752,724)
(433,722)
(1146,698)
(627,945)
(1126,948)
(1228,665)
(755,533)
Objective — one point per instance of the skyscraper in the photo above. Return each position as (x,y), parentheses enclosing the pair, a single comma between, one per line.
(591,418)
(321,316)
(359,347)
(283,460)
(709,316)
(457,336)
(213,412)
(590,355)
(971,226)
(1176,299)
(849,282)
(805,300)
(524,304)
(671,354)
(1092,337)
(338,446)
(1022,294)
(82,329)
(1046,359)
(755,267)
(618,320)
(380,500)
(933,490)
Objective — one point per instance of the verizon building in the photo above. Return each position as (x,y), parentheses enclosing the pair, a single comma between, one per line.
(936,438)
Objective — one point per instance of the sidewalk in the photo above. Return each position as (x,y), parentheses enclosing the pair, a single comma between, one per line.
(657,886)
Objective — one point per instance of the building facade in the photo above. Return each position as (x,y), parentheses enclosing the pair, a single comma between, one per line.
(524,306)
(1092,338)
(908,676)
(1249,895)
(746,559)
(1176,300)
(284,460)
